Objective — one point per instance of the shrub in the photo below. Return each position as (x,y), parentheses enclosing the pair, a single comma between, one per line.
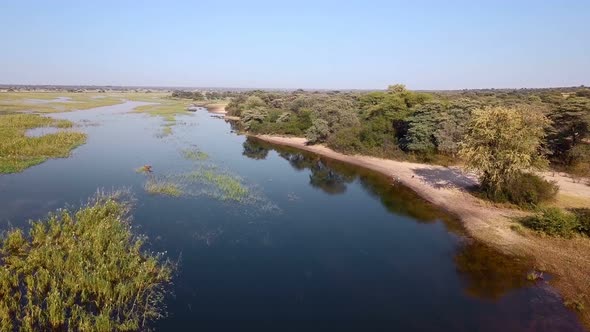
(530,189)
(583,219)
(346,140)
(81,270)
(318,132)
(553,221)
(525,189)
(254,116)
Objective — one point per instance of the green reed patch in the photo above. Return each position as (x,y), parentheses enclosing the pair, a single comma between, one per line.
(81,270)
(194,154)
(165,187)
(226,186)
(18,152)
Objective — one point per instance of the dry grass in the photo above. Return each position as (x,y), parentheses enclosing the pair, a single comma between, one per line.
(566,201)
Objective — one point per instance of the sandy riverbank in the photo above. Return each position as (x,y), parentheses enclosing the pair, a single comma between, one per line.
(219,108)
(567,259)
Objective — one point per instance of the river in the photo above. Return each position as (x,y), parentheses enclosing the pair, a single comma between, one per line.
(314,244)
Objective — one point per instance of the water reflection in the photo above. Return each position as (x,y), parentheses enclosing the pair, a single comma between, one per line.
(332,177)
(255,149)
(490,274)
(487,273)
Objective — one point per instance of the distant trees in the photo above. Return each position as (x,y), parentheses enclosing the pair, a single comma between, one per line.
(201,95)
(399,123)
(502,142)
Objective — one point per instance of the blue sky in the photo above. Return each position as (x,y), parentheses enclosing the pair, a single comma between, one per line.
(297,44)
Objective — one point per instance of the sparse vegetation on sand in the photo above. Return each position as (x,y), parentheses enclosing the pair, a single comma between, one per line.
(81,270)
(18,152)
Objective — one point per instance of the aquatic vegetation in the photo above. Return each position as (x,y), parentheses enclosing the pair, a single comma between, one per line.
(163,187)
(81,270)
(167,108)
(194,154)
(50,102)
(227,187)
(145,169)
(166,131)
(18,152)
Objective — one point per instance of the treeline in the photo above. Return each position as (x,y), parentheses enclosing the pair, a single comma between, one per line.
(203,95)
(425,126)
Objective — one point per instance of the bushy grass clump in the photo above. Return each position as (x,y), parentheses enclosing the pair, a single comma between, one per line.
(18,152)
(553,221)
(583,217)
(81,270)
(163,187)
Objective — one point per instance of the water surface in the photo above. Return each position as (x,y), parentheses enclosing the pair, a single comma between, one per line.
(324,246)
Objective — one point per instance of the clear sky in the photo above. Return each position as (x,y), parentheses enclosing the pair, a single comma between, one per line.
(297,44)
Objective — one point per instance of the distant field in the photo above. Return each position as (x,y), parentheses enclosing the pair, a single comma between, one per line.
(49,102)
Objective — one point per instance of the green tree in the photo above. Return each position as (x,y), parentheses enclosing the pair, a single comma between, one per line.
(502,142)
(318,132)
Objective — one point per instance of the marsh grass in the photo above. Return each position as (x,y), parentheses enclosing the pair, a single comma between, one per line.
(166,108)
(81,270)
(225,186)
(163,186)
(166,131)
(25,101)
(18,152)
(194,154)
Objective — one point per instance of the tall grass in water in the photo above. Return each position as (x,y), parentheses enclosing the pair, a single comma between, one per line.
(163,187)
(18,152)
(194,154)
(81,270)
(229,187)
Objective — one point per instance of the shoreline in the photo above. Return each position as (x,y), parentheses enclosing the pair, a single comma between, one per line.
(219,109)
(568,260)
(446,187)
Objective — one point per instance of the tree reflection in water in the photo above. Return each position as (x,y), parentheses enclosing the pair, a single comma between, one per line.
(487,273)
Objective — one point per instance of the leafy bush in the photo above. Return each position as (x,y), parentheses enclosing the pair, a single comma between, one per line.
(583,218)
(253,116)
(346,140)
(81,270)
(525,189)
(318,132)
(530,189)
(553,221)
